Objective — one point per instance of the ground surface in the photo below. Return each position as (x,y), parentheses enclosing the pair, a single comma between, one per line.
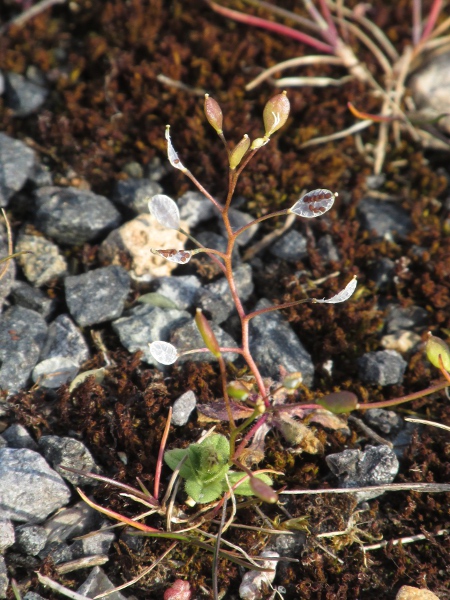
(106,109)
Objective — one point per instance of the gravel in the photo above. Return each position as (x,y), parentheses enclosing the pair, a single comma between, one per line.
(16,165)
(384,367)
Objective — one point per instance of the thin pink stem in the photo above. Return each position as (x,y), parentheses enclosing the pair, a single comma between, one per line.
(262,311)
(417,21)
(202,190)
(249,436)
(159,462)
(415,396)
(278,213)
(432,18)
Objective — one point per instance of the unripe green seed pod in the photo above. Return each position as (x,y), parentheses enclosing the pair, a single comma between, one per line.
(238,152)
(207,333)
(213,113)
(262,490)
(292,380)
(238,390)
(339,402)
(276,113)
(436,347)
(259,142)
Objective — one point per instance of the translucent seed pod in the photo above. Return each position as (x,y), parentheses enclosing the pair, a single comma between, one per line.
(239,151)
(163,352)
(171,154)
(314,204)
(342,296)
(165,211)
(276,113)
(181,257)
(213,114)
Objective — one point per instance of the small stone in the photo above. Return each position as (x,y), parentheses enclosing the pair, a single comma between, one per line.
(386,422)
(253,581)
(187,337)
(7,536)
(239,219)
(18,437)
(57,553)
(64,339)
(44,264)
(407,592)
(40,175)
(181,290)
(135,240)
(33,596)
(71,522)
(29,489)
(145,324)
(387,219)
(134,542)
(290,545)
(375,182)
(383,273)
(410,317)
(23,96)
(156,170)
(212,240)
(7,281)
(22,336)
(3,578)
(98,543)
(67,452)
(136,193)
(97,584)
(54,372)
(31,539)
(27,296)
(195,208)
(97,296)
(182,408)
(274,344)
(292,247)
(402,341)
(72,216)
(377,465)
(327,249)
(16,164)
(384,367)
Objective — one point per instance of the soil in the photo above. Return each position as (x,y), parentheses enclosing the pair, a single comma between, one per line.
(108,108)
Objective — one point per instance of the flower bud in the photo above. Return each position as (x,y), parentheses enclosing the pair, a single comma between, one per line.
(238,390)
(275,113)
(238,152)
(207,333)
(262,490)
(214,114)
(436,347)
(339,402)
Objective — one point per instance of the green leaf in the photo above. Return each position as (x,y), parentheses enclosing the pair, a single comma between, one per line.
(173,457)
(244,489)
(204,493)
(156,299)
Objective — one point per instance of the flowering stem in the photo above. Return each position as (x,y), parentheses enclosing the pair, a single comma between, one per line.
(415,396)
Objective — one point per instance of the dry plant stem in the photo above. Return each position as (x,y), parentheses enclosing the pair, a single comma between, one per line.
(30,13)
(159,462)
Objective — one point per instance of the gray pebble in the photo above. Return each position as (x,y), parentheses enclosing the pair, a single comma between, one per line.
(64,339)
(24,96)
(409,317)
(33,596)
(182,408)
(67,452)
(7,536)
(18,437)
(291,247)
(30,297)
(3,578)
(385,220)
(237,220)
(72,216)
(44,264)
(195,208)
(383,273)
(213,240)
(181,290)
(16,164)
(54,372)
(384,367)
(97,296)
(98,543)
(273,343)
(136,193)
(387,422)
(71,522)
(31,539)
(29,489)
(97,584)
(187,337)
(7,281)
(327,249)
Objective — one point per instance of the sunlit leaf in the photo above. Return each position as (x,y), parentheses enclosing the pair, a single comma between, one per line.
(343,294)
(163,352)
(165,211)
(97,374)
(314,203)
(180,257)
(171,154)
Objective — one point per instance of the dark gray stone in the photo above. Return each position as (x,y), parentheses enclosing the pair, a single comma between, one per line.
(27,296)
(57,552)
(97,296)
(97,584)
(136,193)
(44,264)
(273,343)
(22,336)
(67,452)
(24,96)
(29,489)
(387,422)
(386,219)
(291,247)
(31,539)
(384,367)
(183,407)
(215,298)
(290,545)
(7,537)
(383,273)
(377,465)
(327,249)
(98,543)
(64,339)
(212,240)
(187,337)
(134,542)
(195,208)
(237,220)
(72,216)
(181,290)
(18,437)
(71,522)
(145,324)
(16,164)
(409,317)
(54,372)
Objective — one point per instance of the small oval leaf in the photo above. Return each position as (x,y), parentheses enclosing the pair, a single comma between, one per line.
(180,257)
(165,211)
(313,204)
(343,294)
(163,352)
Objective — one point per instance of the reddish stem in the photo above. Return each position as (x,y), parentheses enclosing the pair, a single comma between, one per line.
(159,462)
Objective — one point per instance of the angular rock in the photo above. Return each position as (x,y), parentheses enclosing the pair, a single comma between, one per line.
(18,437)
(97,296)
(16,164)
(407,592)
(181,290)
(67,452)
(377,465)
(98,543)
(387,422)
(212,240)
(97,584)
(182,408)
(215,298)
(195,208)
(44,264)
(64,339)
(187,337)
(273,343)
(327,249)
(54,372)
(386,219)
(71,522)
(29,489)
(73,216)
(384,367)
(7,536)
(254,582)
(135,193)
(22,336)
(237,220)
(24,96)
(29,297)
(383,273)
(31,539)
(402,341)
(135,239)
(409,317)
(145,324)
(293,246)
